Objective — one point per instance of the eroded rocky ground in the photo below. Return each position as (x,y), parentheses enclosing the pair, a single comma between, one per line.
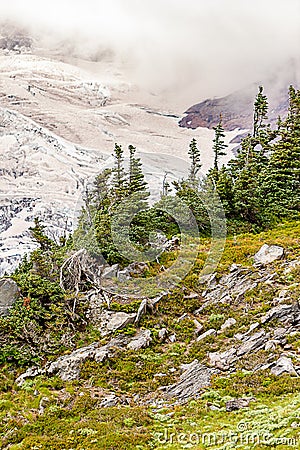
(224,349)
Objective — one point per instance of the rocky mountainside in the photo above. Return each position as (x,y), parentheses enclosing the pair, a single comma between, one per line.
(218,350)
(230,289)
(237,108)
(14,39)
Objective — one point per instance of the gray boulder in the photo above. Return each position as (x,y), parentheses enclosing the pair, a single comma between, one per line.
(68,367)
(162,334)
(9,293)
(238,403)
(268,254)
(109,401)
(223,361)
(137,268)
(228,324)
(141,311)
(233,286)
(283,365)
(208,333)
(271,345)
(110,321)
(227,359)
(141,340)
(32,372)
(110,272)
(194,378)
(199,327)
(120,320)
(123,275)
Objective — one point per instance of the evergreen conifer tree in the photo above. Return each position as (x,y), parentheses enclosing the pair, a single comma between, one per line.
(219,146)
(38,234)
(137,181)
(280,181)
(166,188)
(119,181)
(260,112)
(194,154)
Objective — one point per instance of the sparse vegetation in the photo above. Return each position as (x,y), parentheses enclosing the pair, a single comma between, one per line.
(260,195)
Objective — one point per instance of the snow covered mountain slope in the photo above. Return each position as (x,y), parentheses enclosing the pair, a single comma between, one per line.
(93,107)
(58,125)
(41,175)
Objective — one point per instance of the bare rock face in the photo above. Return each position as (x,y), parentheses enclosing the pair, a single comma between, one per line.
(284,365)
(141,340)
(194,378)
(15,43)
(13,39)
(120,320)
(237,108)
(284,313)
(68,367)
(268,254)
(233,286)
(9,292)
(254,343)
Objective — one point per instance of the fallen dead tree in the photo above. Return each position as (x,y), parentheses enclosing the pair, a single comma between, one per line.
(78,269)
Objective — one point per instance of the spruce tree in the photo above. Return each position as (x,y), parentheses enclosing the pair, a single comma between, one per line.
(260,112)
(225,190)
(119,181)
(194,154)
(38,234)
(137,181)
(166,188)
(280,181)
(218,146)
(101,192)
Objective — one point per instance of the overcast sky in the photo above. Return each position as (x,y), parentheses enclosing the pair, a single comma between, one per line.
(172,41)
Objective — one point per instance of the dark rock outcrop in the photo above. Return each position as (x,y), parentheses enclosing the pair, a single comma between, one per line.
(9,293)
(237,108)
(238,403)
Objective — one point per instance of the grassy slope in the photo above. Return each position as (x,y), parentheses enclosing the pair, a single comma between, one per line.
(73,418)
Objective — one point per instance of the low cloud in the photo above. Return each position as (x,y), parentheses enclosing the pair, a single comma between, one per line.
(213,44)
